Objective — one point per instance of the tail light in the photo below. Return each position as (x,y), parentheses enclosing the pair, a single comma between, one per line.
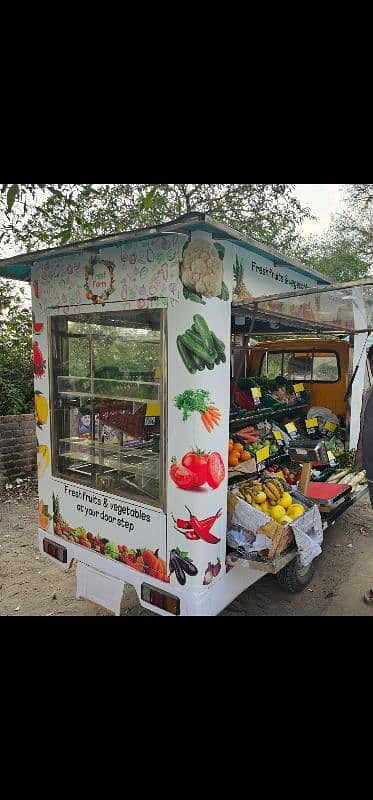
(57,551)
(160,599)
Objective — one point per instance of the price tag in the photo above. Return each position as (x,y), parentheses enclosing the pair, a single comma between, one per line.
(298,390)
(261,456)
(329,429)
(331,459)
(292,431)
(256,394)
(149,420)
(278,438)
(312,425)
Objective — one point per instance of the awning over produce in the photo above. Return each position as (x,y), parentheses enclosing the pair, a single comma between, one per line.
(341,308)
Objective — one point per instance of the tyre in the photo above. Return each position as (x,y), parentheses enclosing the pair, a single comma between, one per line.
(294,578)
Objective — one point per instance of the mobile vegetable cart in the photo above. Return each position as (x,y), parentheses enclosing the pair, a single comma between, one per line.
(133,366)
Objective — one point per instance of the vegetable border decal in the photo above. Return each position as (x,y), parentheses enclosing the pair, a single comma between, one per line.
(88,273)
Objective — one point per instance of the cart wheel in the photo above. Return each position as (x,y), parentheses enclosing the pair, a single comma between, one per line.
(294,578)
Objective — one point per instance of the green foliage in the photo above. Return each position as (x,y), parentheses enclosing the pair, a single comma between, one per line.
(336,258)
(268,212)
(356,222)
(16,369)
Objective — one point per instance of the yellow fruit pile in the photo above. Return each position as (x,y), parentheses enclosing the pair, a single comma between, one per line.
(270,497)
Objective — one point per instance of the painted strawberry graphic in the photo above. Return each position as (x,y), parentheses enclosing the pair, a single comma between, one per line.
(38,360)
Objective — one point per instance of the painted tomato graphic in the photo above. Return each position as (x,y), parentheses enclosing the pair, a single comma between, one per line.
(215,470)
(198,468)
(196,461)
(183,477)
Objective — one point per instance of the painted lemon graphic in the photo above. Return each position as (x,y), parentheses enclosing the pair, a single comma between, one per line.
(43,459)
(41,409)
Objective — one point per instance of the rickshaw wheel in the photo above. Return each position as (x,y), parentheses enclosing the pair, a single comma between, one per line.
(294,578)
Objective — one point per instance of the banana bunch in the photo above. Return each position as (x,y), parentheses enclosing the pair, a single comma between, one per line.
(250,491)
(273,489)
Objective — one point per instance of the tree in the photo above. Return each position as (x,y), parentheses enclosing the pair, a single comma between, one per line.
(335,257)
(268,212)
(18,200)
(16,369)
(356,222)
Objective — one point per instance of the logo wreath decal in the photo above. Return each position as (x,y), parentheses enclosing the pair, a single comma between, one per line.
(98,298)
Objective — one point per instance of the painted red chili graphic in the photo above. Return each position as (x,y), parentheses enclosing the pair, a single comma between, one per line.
(195,528)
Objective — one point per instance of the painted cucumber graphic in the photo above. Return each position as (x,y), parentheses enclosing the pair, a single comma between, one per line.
(186,356)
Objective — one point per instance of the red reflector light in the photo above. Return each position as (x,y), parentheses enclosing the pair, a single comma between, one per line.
(57,551)
(160,599)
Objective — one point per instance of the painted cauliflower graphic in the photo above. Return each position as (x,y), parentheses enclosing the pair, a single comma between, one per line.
(201,271)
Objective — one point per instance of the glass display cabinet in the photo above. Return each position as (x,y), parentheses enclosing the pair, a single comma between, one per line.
(107,401)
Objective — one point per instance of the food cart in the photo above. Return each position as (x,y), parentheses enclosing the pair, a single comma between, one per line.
(138,339)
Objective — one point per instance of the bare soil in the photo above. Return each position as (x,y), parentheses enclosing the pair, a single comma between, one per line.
(32,586)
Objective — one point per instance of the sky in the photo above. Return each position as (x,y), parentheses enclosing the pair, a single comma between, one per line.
(323,200)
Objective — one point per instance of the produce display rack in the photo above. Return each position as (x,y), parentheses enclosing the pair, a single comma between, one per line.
(237,418)
(237,475)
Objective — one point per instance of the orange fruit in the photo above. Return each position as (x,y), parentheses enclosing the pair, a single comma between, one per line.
(233,460)
(238,446)
(245,455)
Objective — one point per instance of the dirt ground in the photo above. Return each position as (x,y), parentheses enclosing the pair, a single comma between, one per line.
(32,586)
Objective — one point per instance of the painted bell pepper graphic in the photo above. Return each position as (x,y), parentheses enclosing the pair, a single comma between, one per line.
(38,361)
(37,327)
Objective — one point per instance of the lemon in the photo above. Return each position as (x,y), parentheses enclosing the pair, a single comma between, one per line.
(261,498)
(277,513)
(286,500)
(265,507)
(286,520)
(295,510)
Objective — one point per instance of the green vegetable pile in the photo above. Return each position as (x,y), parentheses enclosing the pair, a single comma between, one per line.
(347,459)
(190,401)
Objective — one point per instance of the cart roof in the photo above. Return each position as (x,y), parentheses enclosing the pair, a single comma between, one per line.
(338,308)
(19,267)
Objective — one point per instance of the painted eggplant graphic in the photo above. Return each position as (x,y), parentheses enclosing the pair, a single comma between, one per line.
(182,566)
